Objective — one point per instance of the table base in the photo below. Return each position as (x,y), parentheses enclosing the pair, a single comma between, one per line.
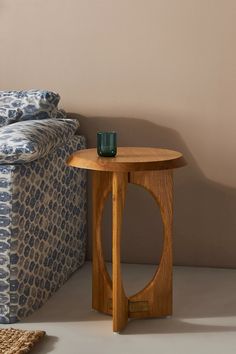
(109,297)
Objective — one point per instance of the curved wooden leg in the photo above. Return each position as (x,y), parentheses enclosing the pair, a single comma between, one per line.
(102,284)
(155,300)
(120,301)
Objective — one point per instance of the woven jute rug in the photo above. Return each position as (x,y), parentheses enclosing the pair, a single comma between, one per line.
(17,341)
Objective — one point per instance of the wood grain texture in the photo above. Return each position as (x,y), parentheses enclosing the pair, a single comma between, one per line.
(120,301)
(128,159)
(101,284)
(158,293)
(150,168)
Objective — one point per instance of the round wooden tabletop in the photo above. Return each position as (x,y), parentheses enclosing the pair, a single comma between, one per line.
(128,159)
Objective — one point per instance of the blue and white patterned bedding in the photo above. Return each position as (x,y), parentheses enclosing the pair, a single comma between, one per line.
(43,202)
(27,141)
(16,106)
(43,210)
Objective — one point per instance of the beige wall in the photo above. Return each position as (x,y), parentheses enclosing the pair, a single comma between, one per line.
(161,72)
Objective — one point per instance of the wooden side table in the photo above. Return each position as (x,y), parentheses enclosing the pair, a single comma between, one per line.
(151,168)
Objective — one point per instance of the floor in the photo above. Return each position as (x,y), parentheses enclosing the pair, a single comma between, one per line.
(204,319)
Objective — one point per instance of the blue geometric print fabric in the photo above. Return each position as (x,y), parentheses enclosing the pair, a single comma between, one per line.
(16,106)
(42,229)
(27,141)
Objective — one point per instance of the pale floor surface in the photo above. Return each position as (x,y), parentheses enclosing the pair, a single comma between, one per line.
(204,319)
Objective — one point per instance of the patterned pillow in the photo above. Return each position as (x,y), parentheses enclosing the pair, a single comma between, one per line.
(9,114)
(16,106)
(27,141)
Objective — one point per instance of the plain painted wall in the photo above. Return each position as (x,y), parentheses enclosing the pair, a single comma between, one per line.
(162,73)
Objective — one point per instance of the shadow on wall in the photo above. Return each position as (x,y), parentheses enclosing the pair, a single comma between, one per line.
(204,224)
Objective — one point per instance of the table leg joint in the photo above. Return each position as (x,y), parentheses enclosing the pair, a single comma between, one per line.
(133,306)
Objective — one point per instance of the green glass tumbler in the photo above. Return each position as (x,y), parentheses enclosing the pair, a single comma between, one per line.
(106,144)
